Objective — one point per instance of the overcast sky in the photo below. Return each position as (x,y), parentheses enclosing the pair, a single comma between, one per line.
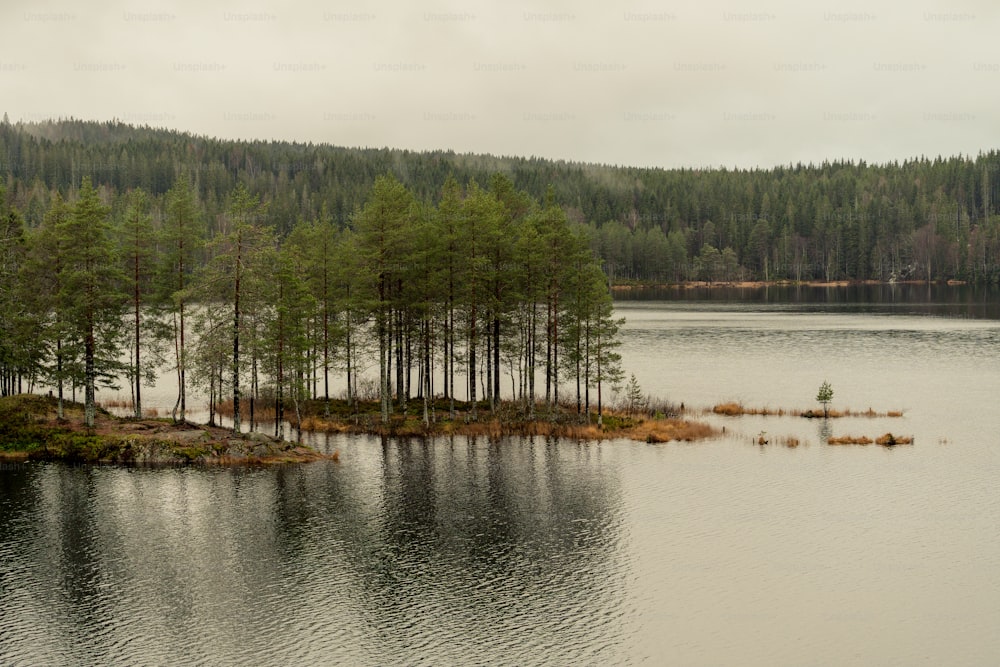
(640,83)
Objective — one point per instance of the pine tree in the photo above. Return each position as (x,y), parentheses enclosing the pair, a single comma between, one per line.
(532,291)
(603,360)
(229,277)
(481,214)
(351,308)
(91,298)
(382,226)
(149,334)
(315,243)
(16,357)
(448,222)
(183,237)
(287,339)
(246,236)
(635,402)
(825,396)
(40,290)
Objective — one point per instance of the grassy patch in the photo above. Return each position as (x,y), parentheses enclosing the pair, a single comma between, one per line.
(886,440)
(511,420)
(733,409)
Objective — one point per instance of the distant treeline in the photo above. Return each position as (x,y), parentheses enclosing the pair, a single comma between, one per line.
(920,219)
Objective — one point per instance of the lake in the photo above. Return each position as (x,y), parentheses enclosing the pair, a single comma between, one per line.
(527,551)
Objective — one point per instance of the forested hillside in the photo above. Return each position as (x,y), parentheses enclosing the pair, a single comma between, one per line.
(920,219)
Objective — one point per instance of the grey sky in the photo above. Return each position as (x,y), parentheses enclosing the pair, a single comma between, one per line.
(638,83)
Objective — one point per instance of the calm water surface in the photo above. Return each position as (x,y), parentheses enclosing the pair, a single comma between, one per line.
(465,551)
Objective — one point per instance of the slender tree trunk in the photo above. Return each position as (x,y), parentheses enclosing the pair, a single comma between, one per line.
(532,344)
(326,347)
(383,371)
(472,362)
(496,362)
(90,374)
(182,363)
(426,387)
(586,369)
(600,413)
(279,395)
(579,401)
(350,365)
(59,371)
(555,353)
(548,353)
(138,364)
(254,391)
(444,353)
(211,398)
(181,359)
(488,389)
(397,341)
(409,366)
(388,369)
(450,356)
(236,341)
(385,357)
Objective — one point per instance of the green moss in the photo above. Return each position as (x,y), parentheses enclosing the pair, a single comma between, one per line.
(189,453)
(78,447)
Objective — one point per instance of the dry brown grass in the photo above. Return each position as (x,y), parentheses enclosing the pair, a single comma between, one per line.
(789,441)
(886,440)
(849,440)
(732,409)
(666,430)
(653,430)
(738,409)
(121,403)
(318,425)
(868,413)
(728,409)
(262,410)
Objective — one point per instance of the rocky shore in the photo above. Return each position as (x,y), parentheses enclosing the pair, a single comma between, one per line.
(30,429)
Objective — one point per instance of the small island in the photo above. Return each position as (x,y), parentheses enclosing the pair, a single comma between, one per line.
(30,429)
(652,423)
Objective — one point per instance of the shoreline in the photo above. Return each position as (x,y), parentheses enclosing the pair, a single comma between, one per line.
(759,284)
(31,431)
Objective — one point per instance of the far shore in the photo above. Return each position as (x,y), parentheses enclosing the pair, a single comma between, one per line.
(758,284)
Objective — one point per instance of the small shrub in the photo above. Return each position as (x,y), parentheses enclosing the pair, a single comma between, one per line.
(824,396)
(890,440)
